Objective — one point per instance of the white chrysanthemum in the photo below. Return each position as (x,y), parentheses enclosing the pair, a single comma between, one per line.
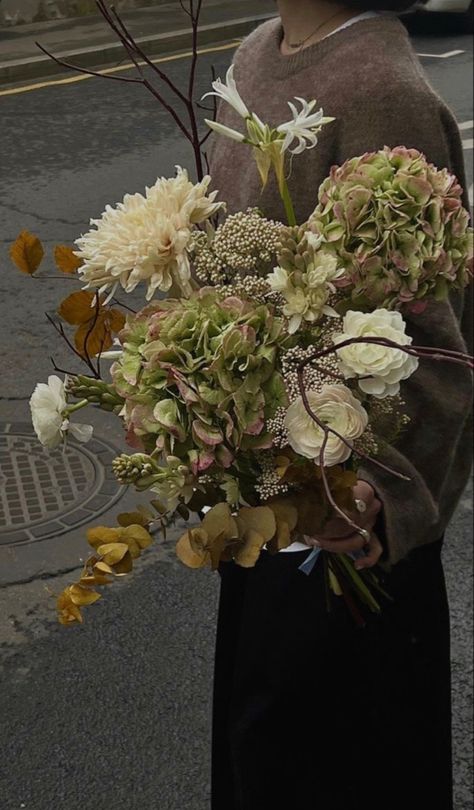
(382,367)
(49,415)
(336,407)
(146,238)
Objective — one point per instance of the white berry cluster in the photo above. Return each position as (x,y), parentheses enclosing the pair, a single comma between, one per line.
(244,245)
(269,484)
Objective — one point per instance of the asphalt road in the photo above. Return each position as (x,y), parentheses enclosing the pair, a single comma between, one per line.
(116,714)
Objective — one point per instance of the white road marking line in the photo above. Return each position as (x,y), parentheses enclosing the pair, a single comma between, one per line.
(441,55)
(468,143)
(466,125)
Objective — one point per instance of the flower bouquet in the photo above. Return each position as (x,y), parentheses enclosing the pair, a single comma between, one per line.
(268,361)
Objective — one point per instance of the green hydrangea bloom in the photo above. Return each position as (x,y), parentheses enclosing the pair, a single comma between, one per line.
(398,226)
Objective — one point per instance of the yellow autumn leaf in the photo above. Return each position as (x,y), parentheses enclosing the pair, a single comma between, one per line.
(141,518)
(27,252)
(83,596)
(112,553)
(67,610)
(102,567)
(99,535)
(137,538)
(96,325)
(259,519)
(249,551)
(186,552)
(65,259)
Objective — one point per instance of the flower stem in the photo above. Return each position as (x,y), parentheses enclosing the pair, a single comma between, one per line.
(288,202)
(77,406)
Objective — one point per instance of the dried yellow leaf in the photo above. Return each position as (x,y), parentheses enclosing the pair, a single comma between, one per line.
(285,512)
(65,259)
(112,553)
(258,519)
(103,567)
(99,535)
(142,518)
(27,252)
(248,553)
(219,519)
(188,556)
(137,538)
(83,596)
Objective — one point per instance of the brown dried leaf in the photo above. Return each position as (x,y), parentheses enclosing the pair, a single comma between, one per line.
(188,556)
(248,553)
(258,519)
(112,553)
(65,259)
(83,596)
(98,535)
(27,252)
(78,307)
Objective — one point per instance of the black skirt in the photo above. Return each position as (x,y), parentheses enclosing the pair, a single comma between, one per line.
(311,713)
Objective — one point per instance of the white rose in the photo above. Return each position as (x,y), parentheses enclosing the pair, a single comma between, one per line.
(383,367)
(336,406)
(49,414)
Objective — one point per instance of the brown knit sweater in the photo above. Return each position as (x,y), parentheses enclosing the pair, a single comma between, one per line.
(368,77)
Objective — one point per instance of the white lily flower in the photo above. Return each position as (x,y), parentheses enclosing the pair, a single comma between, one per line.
(49,413)
(303,127)
(228,92)
(233,134)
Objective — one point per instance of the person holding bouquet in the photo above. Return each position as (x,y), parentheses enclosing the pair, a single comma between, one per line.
(309,711)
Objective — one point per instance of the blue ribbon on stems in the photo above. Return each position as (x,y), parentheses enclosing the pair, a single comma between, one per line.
(307,566)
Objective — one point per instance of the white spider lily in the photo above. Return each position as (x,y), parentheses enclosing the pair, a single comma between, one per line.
(227,131)
(227,91)
(304,127)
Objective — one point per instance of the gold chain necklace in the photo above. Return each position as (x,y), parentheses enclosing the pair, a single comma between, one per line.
(296,45)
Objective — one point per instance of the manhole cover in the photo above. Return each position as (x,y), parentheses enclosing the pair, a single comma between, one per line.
(45,493)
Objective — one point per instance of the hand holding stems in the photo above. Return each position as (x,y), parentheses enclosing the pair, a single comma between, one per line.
(338,537)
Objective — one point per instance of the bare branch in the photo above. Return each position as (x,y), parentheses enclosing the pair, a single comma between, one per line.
(87,72)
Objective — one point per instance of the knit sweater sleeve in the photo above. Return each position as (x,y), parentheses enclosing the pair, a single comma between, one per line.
(435,449)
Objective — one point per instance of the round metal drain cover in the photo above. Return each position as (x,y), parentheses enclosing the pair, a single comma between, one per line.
(45,493)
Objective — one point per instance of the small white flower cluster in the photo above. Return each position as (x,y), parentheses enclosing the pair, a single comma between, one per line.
(269,484)
(244,246)
(314,376)
(276,426)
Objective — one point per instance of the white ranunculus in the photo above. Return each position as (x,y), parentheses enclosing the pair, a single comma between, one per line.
(336,407)
(146,238)
(382,367)
(49,415)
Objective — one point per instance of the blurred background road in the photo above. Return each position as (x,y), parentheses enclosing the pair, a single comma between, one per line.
(116,714)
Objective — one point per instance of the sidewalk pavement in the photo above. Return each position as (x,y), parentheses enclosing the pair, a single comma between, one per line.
(88,41)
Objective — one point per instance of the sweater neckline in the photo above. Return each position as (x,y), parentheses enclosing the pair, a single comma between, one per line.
(283,66)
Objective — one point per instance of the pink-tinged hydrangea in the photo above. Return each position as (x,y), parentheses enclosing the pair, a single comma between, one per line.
(200,377)
(398,226)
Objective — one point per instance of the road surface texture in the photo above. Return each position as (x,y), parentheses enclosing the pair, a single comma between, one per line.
(116,714)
